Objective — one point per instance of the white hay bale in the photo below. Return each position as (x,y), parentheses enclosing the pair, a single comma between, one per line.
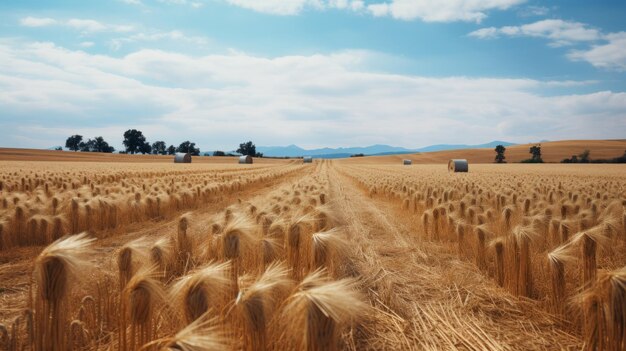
(458,165)
(307,159)
(181,157)
(245,159)
(407,162)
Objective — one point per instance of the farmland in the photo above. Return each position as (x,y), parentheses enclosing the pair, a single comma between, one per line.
(355,254)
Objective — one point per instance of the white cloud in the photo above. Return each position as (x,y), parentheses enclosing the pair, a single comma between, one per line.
(194,4)
(378,10)
(174,35)
(295,7)
(440,11)
(316,100)
(277,7)
(530,11)
(86,25)
(83,25)
(87,44)
(485,33)
(606,51)
(37,22)
(558,31)
(357,5)
(425,10)
(611,55)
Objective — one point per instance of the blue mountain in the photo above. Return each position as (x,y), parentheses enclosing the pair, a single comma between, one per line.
(296,151)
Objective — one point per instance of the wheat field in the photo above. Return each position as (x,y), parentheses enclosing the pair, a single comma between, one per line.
(333,255)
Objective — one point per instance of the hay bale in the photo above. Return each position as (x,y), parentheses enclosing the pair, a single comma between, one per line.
(181,157)
(458,165)
(245,159)
(307,159)
(407,162)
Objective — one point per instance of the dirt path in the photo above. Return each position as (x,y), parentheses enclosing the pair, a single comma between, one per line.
(425,298)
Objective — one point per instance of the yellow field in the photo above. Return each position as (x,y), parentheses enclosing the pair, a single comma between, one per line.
(553,151)
(354,254)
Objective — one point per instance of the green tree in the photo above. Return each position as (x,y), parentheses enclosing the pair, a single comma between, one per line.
(73,142)
(535,151)
(145,148)
(584,157)
(134,141)
(100,145)
(500,149)
(188,147)
(86,146)
(159,148)
(248,148)
(97,144)
(171,150)
(219,153)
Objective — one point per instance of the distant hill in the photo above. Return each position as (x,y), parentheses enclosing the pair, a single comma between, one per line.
(443,147)
(552,151)
(373,150)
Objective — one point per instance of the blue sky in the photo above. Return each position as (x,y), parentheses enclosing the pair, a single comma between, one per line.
(312,72)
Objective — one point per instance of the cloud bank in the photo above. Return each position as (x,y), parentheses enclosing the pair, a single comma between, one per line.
(49,92)
(407,10)
(606,51)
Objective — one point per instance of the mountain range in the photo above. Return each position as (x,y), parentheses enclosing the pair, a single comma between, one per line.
(296,151)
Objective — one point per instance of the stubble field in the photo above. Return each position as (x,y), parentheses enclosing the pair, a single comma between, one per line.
(334,255)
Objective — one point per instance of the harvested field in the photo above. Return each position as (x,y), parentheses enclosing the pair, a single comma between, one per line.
(335,255)
(552,151)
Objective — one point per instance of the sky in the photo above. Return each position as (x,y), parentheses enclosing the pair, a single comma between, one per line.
(315,73)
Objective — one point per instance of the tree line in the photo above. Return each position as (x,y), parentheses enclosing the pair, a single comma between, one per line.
(135,142)
(534,151)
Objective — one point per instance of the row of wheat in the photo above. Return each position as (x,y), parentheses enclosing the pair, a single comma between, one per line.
(559,240)
(261,275)
(43,211)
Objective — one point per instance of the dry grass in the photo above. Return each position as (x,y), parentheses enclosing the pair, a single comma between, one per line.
(188,259)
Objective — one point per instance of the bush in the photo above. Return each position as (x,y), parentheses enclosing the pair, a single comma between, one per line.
(621,159)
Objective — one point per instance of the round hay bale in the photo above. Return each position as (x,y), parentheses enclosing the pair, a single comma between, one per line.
(407,162)
(181,157)
(245,159)
(307,159)
(458,165)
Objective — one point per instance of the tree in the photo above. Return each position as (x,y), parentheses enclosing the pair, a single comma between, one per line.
(584,157)
(159,148)
(219,153)
(134,140)
(171,150)
(58,148)
(99,145)
(500,149)
(536,153)
(87,146)
(247,148)
(188,147)
(145,148)
(73,142)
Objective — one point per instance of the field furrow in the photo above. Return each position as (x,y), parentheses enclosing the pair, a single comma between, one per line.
(324,256)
